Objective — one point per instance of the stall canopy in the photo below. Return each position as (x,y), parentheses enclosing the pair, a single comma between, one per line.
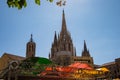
(103,69)
(79,65)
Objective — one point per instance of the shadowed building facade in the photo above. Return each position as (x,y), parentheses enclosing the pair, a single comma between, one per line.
(63,51)
(114,68)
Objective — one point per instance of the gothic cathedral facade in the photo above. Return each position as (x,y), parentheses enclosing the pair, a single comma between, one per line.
(63,51)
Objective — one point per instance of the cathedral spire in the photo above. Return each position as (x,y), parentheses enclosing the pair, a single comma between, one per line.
(55,37)
(85,47)
(85,51)
(64,28)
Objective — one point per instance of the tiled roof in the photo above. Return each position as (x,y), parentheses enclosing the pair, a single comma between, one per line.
(14,57)
(109,63)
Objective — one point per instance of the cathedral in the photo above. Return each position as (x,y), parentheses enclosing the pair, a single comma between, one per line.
(63,51)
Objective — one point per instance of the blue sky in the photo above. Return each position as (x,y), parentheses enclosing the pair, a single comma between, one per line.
(96,21)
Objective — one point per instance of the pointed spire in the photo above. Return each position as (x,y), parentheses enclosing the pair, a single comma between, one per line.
(85,51)
(85,47)
(31,39)
(64,28)
(75,51)
(55,37)
(49,56)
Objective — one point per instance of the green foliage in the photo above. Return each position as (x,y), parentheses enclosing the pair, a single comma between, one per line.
(21,3)
(39,60)
(35,73)
(34,62)
(34,65)
(17,3)
(51,0)
(37,2)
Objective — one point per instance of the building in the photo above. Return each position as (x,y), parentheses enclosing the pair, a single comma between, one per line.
(30,48)
(117,61)
(63,51)
(114,69)
(7,58)
(85,58)
(10,61)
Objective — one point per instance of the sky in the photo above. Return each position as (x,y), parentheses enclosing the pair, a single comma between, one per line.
(96,21)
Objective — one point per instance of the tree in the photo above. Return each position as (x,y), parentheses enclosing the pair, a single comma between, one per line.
(23,3)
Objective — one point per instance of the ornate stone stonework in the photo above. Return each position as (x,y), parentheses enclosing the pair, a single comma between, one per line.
(63,52)
(62,48)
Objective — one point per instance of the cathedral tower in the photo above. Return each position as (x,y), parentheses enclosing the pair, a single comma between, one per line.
(62,45)
(63,52)
(30,48)
(86,55)
(85,52)
(85,58)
